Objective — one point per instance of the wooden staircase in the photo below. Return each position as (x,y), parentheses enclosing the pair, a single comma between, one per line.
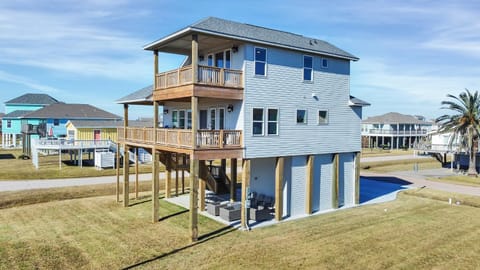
(215,178)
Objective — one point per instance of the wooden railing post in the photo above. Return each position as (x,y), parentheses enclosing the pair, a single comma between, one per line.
(155,69)
(222,77)
(220,139)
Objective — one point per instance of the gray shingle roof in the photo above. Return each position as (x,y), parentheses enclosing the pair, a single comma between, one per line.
(16,114)
(256,34)
(394,118)
(71,111)
(142,96)
(358,102)
(33,99)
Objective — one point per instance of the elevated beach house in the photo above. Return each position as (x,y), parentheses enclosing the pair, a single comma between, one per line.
(278,101)
(15,109)
(394,130)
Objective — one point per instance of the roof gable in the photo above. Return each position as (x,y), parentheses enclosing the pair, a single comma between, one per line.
(33,99)
(71,111)
(257,34)
(142,96)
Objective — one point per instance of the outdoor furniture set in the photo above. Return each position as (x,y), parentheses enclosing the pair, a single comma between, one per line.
(261,208)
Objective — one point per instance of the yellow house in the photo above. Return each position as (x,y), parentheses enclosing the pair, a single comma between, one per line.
(92,130)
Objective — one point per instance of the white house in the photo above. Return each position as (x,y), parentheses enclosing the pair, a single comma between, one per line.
(278,101)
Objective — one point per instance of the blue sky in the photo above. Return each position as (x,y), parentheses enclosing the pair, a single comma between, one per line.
(412,53)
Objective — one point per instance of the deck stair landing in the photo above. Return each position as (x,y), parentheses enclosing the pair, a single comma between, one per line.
(216,179)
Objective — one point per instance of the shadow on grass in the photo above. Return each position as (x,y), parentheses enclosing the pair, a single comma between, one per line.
(7,156)
(173,215)
(202,239)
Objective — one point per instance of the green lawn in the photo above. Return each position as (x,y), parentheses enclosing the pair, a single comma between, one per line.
(12,168)
(401,165)
(410,233)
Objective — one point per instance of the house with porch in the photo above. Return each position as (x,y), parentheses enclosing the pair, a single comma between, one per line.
(15,109)
(394,130)
(278,101)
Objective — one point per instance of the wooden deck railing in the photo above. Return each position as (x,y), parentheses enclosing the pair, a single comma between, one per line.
(182,138)
(206,75)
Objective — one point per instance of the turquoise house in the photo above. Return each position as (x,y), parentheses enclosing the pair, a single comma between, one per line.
(15,109)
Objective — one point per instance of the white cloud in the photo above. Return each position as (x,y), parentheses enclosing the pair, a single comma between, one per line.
(11,78)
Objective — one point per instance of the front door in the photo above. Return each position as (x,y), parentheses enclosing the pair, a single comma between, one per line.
(203,119)
(97,135)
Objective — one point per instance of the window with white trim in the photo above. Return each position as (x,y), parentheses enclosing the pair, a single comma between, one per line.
(272,118)
(181,119)
(260,61)
(322,117)
(307,68)
(257,122)
(301,116)
(9,123)
(174,119)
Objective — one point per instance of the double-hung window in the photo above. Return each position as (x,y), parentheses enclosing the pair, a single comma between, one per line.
(257,122)
(260,61)
(272,128)
(307,68)
(174,119)
(9,123)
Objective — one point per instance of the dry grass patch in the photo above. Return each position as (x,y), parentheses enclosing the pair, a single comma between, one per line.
(409,233)
(401,165)
(458,179)
(378,152)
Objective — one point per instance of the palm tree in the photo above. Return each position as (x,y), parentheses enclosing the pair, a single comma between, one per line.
(464,123)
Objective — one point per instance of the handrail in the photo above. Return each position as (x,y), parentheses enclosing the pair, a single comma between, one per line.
(207,75)
(182,138)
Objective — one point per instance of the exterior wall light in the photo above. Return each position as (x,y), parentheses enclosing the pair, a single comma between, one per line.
(230,108)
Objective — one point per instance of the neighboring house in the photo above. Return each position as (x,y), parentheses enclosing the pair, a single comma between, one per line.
(1,119)
(15,109)
(394,130)
(100,129)
(277,100)
(56,116)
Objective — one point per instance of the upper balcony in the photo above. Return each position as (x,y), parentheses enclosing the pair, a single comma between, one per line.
(211,82)
(376,131)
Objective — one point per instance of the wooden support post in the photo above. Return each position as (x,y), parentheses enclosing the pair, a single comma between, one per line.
(233,178)
(309,185)
(194,61)
(176,173)
(117,155)
(279,168)
(335,182)
(136,172)
(194,175)
(168,179)
(357,178)
(202,184)
(155,184)
(183,172)
(155,72)
(245,184)
(126,159)
(126,176)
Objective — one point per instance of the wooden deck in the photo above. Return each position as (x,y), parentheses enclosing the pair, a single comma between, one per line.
(209,144)
(211,82)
